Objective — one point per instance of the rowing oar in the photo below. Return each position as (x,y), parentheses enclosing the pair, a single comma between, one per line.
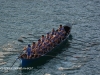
(15,60)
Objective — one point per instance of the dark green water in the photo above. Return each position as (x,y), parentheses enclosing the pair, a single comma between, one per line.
(29,19)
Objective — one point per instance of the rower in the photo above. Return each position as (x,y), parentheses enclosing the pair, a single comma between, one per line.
(38,44)
(57,37)
(46,42)
(33,49)
(47,36)
(61,28)
(37,48)
(33,45)
(52,40)
(36,52)
(42,38)
(53,31)
(43,48)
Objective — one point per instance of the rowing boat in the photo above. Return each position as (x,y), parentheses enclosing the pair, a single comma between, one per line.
(34,61)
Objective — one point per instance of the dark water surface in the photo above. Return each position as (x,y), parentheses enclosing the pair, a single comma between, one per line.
(29,19)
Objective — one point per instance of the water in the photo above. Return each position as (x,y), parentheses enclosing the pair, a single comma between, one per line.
(29,19)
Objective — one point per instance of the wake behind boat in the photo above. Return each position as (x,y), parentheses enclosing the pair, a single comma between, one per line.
(43,53)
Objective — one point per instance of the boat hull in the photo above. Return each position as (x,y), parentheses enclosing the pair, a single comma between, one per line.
(44,58)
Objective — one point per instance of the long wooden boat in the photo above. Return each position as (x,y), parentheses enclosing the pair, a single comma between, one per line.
(34,61)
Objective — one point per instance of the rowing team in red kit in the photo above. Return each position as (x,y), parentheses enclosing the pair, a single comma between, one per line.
(45,43)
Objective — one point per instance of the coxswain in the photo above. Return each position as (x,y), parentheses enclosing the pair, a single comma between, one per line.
(28,51)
